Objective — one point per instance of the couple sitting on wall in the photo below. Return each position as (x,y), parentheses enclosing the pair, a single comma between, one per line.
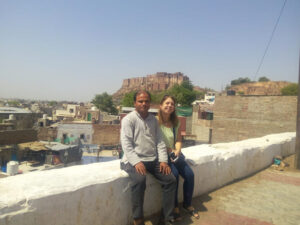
(154,145)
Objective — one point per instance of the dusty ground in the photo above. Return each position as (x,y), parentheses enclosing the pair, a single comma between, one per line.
(261,199)
(2,175)
(291,161)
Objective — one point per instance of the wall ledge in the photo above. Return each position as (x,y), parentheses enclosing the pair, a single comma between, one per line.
(96,193)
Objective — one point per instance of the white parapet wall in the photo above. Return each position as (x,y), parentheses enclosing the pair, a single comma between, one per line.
(99,193)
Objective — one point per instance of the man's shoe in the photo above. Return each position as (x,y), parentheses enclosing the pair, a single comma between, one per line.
(138,222)
(177,217)
(170,222)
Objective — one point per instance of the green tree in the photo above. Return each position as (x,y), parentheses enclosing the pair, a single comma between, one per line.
(241,80)
(199,94)
(188,85)
(263,79)
(156,97)
(291,89)
(127,100)
(13,103)
(52,103)
(104,103)
(184,96)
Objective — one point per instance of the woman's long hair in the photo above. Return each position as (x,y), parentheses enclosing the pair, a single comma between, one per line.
(173,116)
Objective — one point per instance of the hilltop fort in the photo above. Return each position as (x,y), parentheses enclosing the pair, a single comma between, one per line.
(155,82)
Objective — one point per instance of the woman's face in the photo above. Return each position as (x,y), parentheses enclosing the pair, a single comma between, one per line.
(167,106)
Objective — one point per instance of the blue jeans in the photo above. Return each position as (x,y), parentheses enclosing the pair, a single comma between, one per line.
(182,168)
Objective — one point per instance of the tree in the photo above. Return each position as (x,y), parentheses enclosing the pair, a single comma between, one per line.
(188,85)
(263,79)
(104,103)
(127,100)
(241,81)
(52,103)
(291,89)
(14,103)
(199,94)
(184,96)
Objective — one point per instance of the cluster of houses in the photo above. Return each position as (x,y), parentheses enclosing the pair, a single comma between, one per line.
(57,136)
(61,134)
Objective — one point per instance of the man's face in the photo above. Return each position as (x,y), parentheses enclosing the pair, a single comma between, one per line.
(142,104)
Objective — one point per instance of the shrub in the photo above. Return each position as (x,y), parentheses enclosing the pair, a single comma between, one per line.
(291,89)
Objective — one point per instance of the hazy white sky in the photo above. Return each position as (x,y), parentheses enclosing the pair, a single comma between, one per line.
(72,50)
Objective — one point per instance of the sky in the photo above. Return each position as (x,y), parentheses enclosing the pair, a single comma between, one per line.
(73,50)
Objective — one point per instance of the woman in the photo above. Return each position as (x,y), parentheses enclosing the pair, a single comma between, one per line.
(169,125)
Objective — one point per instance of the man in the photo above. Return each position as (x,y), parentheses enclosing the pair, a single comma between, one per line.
(145,151)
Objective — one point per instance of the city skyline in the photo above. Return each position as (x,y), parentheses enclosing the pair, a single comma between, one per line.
(73,50)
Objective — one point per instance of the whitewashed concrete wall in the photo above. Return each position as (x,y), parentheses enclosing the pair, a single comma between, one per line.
(99,193)
(75,130)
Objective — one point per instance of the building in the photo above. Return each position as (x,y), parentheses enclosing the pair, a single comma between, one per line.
(242,117)
(66,114)
(12,118)
(91,114)
(78,113)
(110,119)
(69,133)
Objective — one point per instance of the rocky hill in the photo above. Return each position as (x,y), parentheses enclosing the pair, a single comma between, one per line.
(156,82)
(260,88)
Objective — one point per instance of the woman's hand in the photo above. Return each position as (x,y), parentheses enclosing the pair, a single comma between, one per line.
(177,152)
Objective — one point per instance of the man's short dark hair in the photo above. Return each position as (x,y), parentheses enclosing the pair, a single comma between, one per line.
(140,92)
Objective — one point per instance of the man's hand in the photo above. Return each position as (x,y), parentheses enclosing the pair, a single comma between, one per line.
(164,168)
(140,168)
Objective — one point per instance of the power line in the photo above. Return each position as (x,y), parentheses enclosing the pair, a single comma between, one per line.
(273,32)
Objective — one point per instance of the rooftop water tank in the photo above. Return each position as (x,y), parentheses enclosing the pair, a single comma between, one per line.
(12,168)
(11,117)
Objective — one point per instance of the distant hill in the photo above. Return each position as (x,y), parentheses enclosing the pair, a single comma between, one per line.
(260,88)
(156,82)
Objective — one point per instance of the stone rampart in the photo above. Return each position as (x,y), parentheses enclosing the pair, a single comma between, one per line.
(99,193)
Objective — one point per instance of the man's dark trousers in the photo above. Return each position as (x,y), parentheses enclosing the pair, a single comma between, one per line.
(138,186)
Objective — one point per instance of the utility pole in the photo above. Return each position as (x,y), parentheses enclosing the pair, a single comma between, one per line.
(297,148)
